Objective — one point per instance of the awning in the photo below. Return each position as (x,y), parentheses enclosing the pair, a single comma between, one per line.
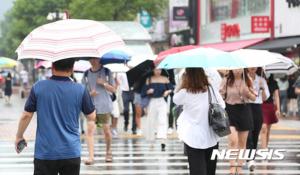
(278,44)
(231,46)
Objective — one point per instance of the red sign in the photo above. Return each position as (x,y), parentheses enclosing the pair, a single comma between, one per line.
(230,30)
(260,24)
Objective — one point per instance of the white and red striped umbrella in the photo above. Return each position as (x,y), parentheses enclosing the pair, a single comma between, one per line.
(71,38)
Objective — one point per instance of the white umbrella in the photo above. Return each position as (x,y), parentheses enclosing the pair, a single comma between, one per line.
(117,67)
(137,59)
(285,66)
(257,58)
(134,61)
(68,39)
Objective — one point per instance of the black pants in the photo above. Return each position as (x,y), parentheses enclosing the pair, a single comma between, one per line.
(128,97)
(253,135)
(53,167)
(199,160)
(171,117)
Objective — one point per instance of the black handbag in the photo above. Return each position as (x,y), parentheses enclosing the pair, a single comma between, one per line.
(217,116)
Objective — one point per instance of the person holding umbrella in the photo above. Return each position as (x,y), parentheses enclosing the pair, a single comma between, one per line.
(237,90)
(157,87)
(193,126)
(100,83)
(58,103)
(261,88)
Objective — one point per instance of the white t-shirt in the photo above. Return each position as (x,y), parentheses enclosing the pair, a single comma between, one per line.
(193,128)
(24,76)
(122,79)
(256,87)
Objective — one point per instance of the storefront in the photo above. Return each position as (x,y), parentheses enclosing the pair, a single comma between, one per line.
(260,24)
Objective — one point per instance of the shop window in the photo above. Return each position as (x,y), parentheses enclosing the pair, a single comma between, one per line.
(220,10)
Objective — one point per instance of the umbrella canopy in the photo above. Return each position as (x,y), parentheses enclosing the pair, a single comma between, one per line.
(138,72)
(257,58)
(285,66)
(69,39)
(7,62)
(162,55)
(134,61)
(202,57)
(115,56)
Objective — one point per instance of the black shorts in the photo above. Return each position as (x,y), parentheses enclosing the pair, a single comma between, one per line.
(53,167)
(240,116)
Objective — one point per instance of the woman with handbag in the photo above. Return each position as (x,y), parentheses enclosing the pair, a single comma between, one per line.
(193,126)
(237,90)
(157,88)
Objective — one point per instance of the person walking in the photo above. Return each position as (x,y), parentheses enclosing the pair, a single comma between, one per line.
(283,85)
(297,92)
(261,89)
(237,90)
(271,112)
(128,99)
(58,102)
(157,88)
(193,128)
(100,83)
(8,88)
(116,111)
(292,96)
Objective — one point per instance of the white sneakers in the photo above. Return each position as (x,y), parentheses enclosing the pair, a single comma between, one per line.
(251,165)
(114,133)
(170,131)
(139,132)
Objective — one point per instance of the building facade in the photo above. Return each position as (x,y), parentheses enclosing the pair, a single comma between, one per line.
(259,24)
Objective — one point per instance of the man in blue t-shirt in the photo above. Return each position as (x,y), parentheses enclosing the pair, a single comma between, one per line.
(58,103)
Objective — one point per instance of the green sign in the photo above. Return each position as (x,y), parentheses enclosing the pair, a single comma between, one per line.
(145,19)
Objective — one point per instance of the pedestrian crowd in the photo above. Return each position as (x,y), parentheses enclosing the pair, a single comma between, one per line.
(252,99)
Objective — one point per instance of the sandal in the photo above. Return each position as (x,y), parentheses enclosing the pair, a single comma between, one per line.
(232,172)
(108,157)
(239,169)
(89,162)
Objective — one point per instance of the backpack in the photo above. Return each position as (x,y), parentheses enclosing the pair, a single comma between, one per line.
(107,72)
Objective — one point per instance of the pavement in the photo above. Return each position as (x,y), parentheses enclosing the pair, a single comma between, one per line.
(134,155)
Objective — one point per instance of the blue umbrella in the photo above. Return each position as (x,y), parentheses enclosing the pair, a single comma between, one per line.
(204,58)
(115,56)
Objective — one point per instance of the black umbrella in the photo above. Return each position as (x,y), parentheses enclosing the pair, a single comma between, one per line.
(140,72)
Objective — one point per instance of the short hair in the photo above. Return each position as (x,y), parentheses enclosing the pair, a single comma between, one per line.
(64,65)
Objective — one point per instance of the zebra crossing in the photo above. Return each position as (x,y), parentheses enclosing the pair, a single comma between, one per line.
(137,156)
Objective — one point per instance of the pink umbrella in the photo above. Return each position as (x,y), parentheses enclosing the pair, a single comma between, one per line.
(162,55)
(69,39)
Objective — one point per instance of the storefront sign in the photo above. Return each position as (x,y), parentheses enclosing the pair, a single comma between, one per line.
(229,31)
(293,3)
(180,13)
(260,24)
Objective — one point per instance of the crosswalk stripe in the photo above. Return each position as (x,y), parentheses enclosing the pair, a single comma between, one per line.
(138,157)
(182,172)
(160,163)
(117,152)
